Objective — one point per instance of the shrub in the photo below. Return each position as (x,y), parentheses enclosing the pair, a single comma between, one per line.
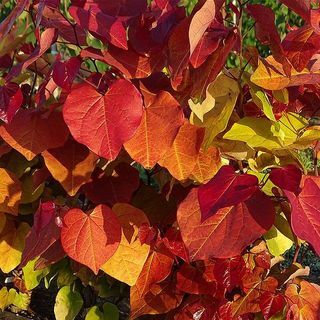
(159,156)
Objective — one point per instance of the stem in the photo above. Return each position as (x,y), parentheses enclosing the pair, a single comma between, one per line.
(296,253)
(315,161)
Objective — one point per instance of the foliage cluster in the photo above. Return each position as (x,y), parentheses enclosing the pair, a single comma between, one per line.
(152,153)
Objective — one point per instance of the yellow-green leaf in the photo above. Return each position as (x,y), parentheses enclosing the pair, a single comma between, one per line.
(279,238)
(224,91)
(68,304)
(256,132)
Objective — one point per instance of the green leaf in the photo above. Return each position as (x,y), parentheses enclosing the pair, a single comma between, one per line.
(110,312)
(33,277)
(68,304)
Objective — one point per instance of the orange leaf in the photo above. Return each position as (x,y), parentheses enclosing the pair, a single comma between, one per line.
(10,192)
(159,126)
(207,165)
(92,238)
(127,262)
(31,132)
(305,300)
(156,269)
(254,286)
(182,157)
(71,165)
(271,76)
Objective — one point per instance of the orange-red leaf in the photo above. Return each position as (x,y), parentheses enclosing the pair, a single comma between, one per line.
(157,131)
(228,231)
(103,122)
(91,238)
(306,300)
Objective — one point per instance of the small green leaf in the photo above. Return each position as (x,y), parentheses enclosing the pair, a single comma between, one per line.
(68,304)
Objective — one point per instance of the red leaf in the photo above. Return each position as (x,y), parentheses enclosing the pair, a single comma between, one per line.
(46,39)
(44,232)
(207,45)
(103,122)
(65,72)
(226,189)
(300,45)
(161,298)
(200,78)
(271,303)
(287,178)
(105,26)
(301,7)
(133,65)
(229,272)
(147,234)
(32,132)
(156,269)
(92,238)
(123,8)
(305,213)
(266,31)
(173,241)
(198,308)
(246,222)
(11,99)
(191,280)
(200,23)
(118,187)
(179,52)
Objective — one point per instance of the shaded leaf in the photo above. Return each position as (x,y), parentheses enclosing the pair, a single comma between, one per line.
(68,304)
(32,132)
(71,165)
(127,262)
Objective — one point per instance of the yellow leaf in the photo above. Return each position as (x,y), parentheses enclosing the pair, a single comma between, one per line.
(10,192)
(12,297)
(279,238)
(237,150)
(200,109)
(127,262)
(12,244)
(224,91)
